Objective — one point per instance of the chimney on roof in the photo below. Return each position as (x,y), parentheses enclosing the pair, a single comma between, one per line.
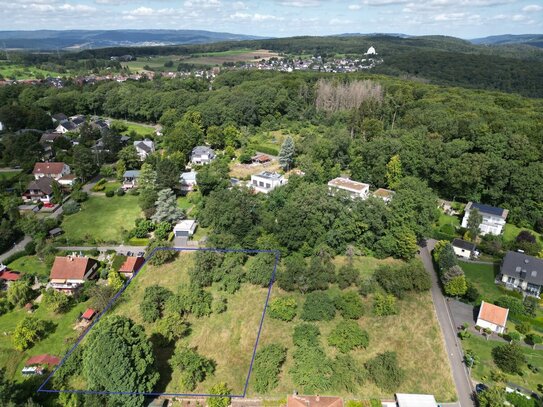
(318,398)
(526,261)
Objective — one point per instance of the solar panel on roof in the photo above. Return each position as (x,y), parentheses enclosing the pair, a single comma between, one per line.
(492,210)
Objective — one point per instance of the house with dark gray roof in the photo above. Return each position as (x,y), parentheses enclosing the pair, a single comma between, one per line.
(522,272)
(144,148)
(462,248)
(40,189)
(202,155)
(493,218)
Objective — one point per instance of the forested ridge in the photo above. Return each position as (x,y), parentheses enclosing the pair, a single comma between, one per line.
(468,145)
(437,59)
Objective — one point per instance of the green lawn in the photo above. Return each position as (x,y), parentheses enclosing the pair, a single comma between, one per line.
(112,186)
(4,175)
(57,342)
(31,265)
(9,71)
(481,371)
(448,220)
(184,203)
(482,276)
(102,219)
(511,231)
(141,129)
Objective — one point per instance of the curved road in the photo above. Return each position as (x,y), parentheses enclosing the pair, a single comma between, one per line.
(464,387)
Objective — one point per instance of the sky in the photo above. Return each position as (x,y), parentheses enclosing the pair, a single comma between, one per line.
(282,18)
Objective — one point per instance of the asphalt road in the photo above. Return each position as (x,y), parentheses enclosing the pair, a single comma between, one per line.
(460,374)
(16,248)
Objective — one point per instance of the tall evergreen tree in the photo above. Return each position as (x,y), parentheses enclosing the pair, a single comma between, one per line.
(286,155)
(166,208)
(474,221)
(147,177)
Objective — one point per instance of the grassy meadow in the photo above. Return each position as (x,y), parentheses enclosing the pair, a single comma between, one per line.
(101,219)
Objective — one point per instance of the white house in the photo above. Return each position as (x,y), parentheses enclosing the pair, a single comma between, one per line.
(462,248)
(267,181)
(188,181)
(522,272)
(1,126)
(354,188)
(144,148)
(55,170)
(202,155)
(65,127)
(493,218)
(415,400)
(492,317)
(185,228)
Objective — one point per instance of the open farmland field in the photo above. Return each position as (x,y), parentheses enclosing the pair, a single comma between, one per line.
(218,58)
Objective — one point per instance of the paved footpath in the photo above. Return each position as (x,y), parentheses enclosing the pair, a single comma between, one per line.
(464,387)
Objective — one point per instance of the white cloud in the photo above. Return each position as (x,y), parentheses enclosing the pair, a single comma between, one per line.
(142,11)
(354,7)
(339,21)
(239,5)
(80,8)
(202,3)
(300,3)
(532,8)
(519,17)
(379,3)
(238,16)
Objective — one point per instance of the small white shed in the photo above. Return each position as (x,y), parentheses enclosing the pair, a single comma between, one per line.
(185,228)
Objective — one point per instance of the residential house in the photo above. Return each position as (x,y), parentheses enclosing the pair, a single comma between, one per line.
(267,181)
(37,364)
(492,317)
(70,272)
(39,190)
(185,228)
(522,272)
(59,118)
(7,276)
(385,194)
(78,120)
(314,401)
(55,170)
(202,155)
(415,400)
(354,188)
(65,127)
(99,124)
(1,126)
(188,181)
(144,148)
(463,249)
(130,179)
(261,159)
(131,266)
(67,180)
(493,218)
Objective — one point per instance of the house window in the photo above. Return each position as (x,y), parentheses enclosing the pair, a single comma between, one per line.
(255,182)
(510,280)
(268,186)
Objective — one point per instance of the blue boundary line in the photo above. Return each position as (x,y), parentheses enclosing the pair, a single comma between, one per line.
(126,284)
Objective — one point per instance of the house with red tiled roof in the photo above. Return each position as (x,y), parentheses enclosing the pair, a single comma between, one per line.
(55,170)
(314,401)
(8,276)
(36,364)
(70,272)
(131,266)
(492,317)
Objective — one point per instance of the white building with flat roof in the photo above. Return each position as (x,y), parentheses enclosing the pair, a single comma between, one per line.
(415,400)
(267,181)
(354,188)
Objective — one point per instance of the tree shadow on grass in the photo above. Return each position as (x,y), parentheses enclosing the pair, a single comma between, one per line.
(163,351)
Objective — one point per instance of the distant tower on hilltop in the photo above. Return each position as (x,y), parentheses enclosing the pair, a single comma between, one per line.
(371,51)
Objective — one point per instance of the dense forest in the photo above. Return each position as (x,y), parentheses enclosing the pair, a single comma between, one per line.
(467,145)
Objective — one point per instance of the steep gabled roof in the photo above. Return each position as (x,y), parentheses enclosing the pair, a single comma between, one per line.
(43,184)
(462,244)
(48,168)
(520,265)
(70,267)
(493,314)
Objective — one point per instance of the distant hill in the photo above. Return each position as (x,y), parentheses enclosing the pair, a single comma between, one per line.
(91,39)
(535,40)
